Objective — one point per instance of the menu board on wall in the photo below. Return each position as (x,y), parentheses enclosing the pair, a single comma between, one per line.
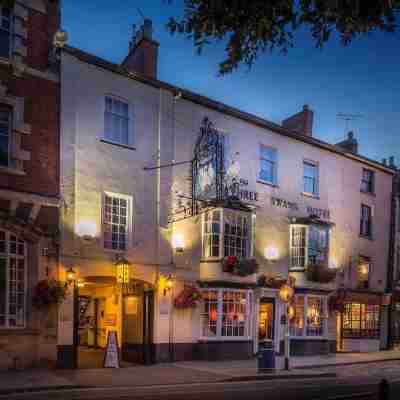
(111,357)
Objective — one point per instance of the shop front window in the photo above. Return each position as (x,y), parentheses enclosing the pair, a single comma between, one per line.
(361,321)
(226,233)
(309,319)
(309,246)
(226,314)
(12,280)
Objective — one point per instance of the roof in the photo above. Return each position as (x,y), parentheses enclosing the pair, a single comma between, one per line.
(221,107)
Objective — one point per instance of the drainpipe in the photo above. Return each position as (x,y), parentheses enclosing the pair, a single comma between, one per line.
(392,243)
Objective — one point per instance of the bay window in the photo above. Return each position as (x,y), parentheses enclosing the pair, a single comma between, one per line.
(226,233)
(361,321)
(12,280)
(309,245)
(226,314)
(310,316)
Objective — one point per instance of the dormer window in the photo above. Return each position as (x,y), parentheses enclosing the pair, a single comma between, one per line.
(309,245)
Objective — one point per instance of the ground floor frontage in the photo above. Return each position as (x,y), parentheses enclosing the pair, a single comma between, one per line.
(227,321)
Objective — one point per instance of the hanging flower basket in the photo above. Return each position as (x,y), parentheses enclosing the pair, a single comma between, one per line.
(48,292)
(190,297)
(320,273)
(240,266)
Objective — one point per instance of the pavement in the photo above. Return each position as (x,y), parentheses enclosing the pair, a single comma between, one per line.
(337,366)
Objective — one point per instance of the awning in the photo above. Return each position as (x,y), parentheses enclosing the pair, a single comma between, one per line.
(311,220)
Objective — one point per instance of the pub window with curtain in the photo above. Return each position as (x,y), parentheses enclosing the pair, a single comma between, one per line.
(309,245)
(366,221)
(310,178)
(367,181)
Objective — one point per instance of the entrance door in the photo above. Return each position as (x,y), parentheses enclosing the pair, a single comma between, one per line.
(137,333)
(266,320)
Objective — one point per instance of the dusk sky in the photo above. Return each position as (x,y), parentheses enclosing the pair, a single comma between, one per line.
(360,79)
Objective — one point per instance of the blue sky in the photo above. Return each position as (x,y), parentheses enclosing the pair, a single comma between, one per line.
(362,78)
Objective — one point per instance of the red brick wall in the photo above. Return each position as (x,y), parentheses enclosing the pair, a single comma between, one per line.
(41,110)
(40,30)
(144,58)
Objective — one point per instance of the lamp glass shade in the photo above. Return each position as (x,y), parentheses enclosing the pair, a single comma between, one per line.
(286,293)
(71,274)
(271,253)
(178,242)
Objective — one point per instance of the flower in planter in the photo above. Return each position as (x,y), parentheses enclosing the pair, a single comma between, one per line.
(188,298)
(48,292)
(240,266)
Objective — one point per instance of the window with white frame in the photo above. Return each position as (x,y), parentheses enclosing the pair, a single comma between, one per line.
(309,245)
(310,316)
(5,32)
(116,221)
(366,221)
(116,121)
(226,314)
(12,280)
(268,165)
(367,181)
(5,135)
(310,178)
(226,233)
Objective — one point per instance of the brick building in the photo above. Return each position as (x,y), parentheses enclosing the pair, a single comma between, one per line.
(29,179)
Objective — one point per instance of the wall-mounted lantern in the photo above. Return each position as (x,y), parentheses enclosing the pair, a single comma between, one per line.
(86,229)
(167,283)
(123,271)
(178,242)
(71,275)
(271,253)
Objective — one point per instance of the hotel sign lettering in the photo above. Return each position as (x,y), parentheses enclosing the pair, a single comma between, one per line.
(290,205)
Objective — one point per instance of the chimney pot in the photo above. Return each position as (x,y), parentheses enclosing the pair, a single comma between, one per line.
(391,161)
(302,122)
(384,161)
(143,51)
(350,135)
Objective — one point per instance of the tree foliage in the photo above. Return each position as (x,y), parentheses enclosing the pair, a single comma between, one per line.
(251,27)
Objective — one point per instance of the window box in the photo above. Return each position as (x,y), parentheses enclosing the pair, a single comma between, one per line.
(240,266)
(320,273)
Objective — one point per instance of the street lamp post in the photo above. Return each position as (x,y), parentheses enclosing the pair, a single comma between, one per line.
(71,276)
(285,295)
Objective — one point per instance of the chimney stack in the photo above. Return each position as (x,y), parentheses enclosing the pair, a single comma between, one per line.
(143,51)
(350,144)
(301,122)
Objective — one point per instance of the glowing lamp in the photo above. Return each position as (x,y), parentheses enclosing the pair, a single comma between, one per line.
(271,253)
(122,266)
(71,275)
(286,293)
(333,264)
(81,283)
(178,242)
(86,229)
(291,312)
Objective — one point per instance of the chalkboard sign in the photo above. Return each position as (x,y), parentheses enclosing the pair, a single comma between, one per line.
(111,357)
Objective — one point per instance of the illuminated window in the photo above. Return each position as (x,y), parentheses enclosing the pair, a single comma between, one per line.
(367,181)
(226,313)
(361,320)
(12,280)
(310,178)
(363,272)
(116,221)
(116,121)
(366,221)
(268,165)
(309,245)
(309,319)
(5,32)
(5,136)
(226,233)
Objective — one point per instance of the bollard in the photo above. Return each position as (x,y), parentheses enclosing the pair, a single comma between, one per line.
(384,390)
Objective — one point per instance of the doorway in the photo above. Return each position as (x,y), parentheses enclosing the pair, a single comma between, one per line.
(266,318)
(137,327)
